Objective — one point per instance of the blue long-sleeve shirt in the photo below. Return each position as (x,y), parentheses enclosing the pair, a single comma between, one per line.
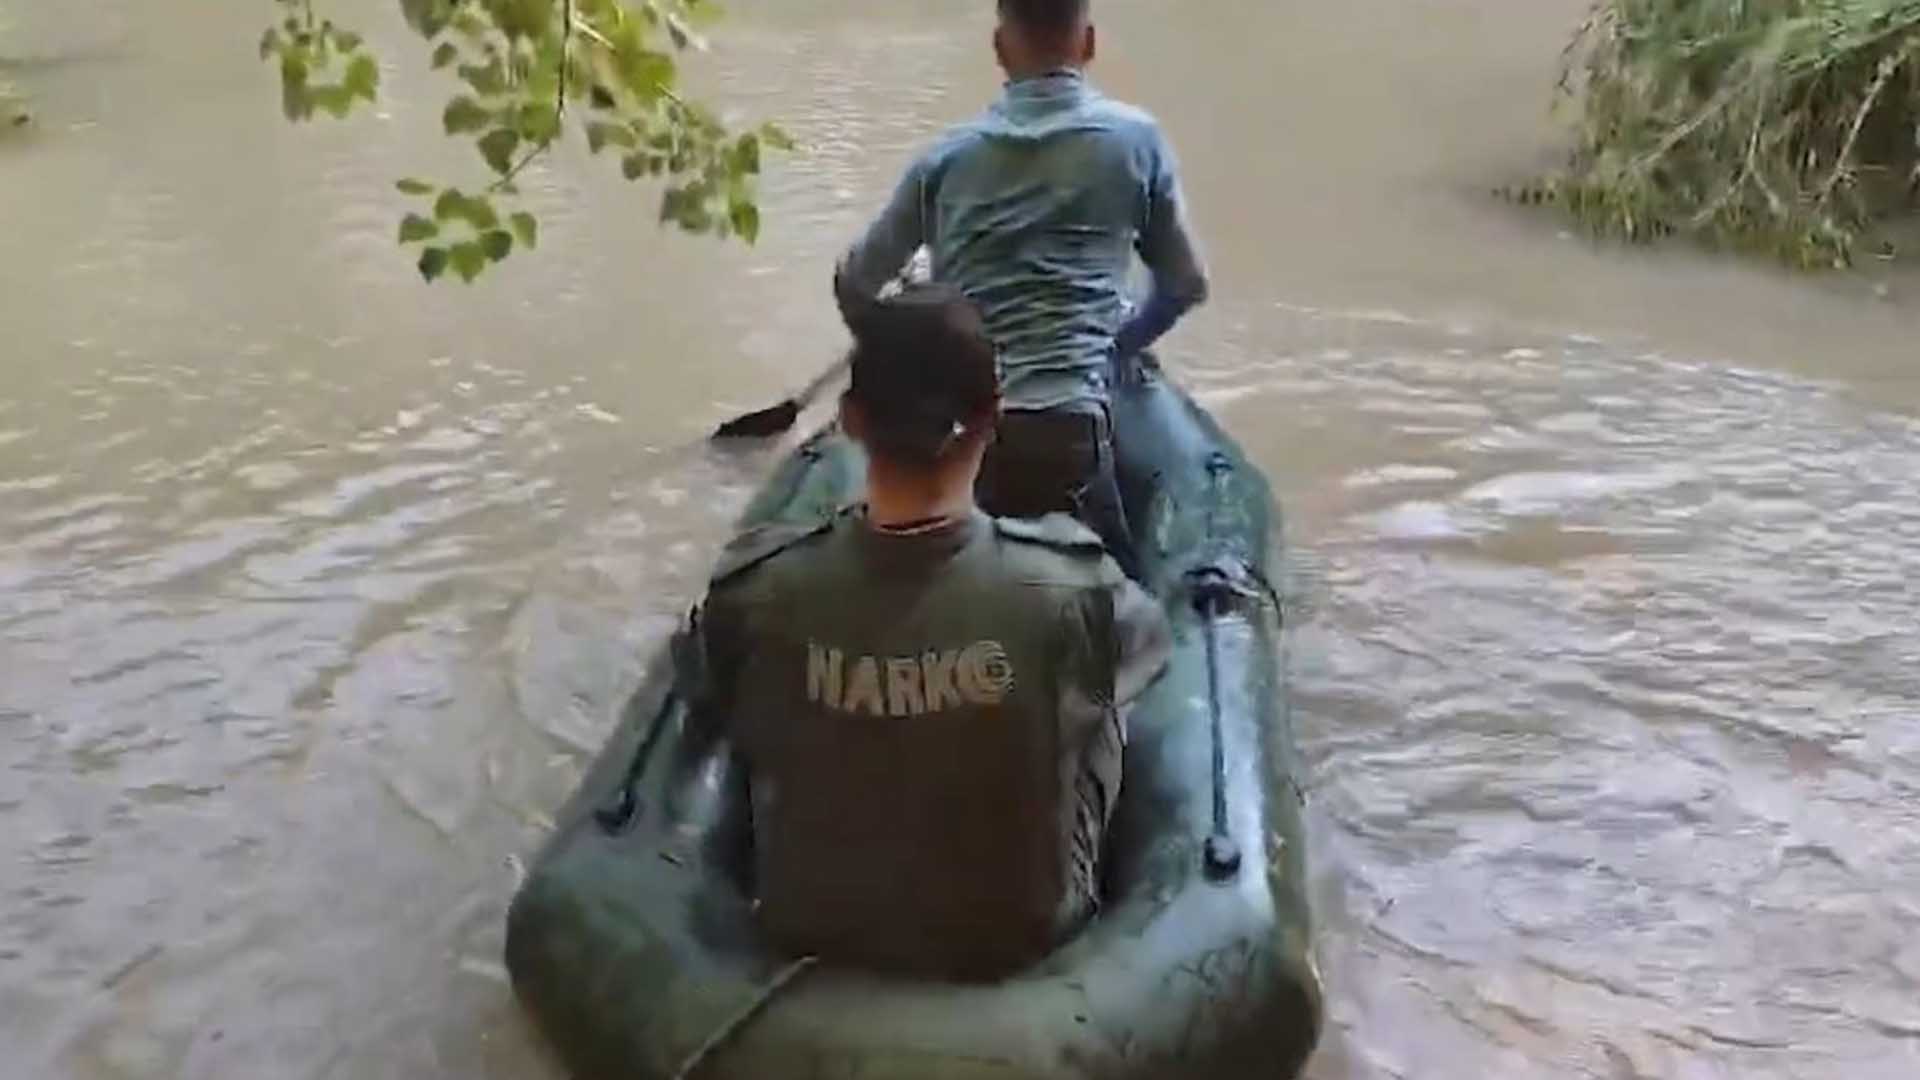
(1034,210)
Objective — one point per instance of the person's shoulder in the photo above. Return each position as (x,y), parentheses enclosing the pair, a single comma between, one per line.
(1125,116)
(1057,549)
(955,139)
(767,544)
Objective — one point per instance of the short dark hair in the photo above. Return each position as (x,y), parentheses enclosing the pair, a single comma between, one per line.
(923,368)
(1047,18)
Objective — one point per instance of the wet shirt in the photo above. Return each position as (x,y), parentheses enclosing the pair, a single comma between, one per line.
(1035,210)
(932,725)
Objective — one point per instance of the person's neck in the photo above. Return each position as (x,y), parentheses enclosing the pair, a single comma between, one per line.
(1040,69)
(897,497)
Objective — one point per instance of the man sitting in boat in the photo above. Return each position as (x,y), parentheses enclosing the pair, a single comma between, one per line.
(929,701)
(1034,211)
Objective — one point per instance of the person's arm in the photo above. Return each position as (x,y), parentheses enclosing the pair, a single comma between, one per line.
(889,242)
(1143,642)
(1166,245)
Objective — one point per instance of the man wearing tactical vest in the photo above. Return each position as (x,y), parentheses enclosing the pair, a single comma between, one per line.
(1035,210)
(929,701)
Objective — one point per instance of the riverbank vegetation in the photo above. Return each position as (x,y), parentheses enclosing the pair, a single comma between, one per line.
(527,73)
(1786,126)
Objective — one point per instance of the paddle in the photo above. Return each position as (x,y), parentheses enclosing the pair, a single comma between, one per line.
(777,419)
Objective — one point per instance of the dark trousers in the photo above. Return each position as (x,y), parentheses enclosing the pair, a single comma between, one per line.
(1058,462)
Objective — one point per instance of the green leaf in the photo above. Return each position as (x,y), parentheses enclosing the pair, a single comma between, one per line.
(433,262)
(336,100)
(450,206)
(745,218)
(471,25)
(293,68)
(746,154)
(775,136)
(427,17)
(601,133)
(481,214)
(414,187)
(446,54)
(363,77)
(647,75)
(347,40)
(674,206)
(414,228)
(270,43)
(497,147)
(527,229)
(465,115)
(477,211)
(539,121)
(489,78)
(522,18)
(497,244)
(468,260)
(634,165)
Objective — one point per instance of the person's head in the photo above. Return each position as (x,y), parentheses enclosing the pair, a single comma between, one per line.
(925,395)
(1038,36)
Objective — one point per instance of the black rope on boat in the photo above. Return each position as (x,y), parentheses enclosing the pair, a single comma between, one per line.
(1221,854)
(1213,597)
(625,809)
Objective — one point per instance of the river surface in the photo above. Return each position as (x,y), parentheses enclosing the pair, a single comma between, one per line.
(318,586)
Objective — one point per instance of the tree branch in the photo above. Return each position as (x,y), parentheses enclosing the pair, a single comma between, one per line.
(518,167)
(566,64)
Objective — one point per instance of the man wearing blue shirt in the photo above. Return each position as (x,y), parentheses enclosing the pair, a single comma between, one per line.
(1034,210)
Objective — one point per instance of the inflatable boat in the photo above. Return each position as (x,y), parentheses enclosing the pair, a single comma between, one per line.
(633,945)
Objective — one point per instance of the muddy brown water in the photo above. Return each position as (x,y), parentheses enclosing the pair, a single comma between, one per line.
(317,586)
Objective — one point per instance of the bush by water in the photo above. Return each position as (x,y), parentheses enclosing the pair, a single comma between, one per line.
(1788,126)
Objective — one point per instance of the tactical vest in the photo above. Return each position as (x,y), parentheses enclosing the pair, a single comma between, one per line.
(913,772)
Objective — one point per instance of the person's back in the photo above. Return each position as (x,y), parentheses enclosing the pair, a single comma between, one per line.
(928,700)
(920,711)
(1034,211)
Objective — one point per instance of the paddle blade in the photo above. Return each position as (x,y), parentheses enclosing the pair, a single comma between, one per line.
(762,424)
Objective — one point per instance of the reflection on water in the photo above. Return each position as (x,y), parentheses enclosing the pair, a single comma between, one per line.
(317,587)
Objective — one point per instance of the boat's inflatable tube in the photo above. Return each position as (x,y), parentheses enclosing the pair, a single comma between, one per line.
(634,948)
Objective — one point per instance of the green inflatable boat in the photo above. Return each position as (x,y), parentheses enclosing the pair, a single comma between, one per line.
(634,948)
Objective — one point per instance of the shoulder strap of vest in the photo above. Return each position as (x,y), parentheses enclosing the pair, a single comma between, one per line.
(763,542)
(1058,531)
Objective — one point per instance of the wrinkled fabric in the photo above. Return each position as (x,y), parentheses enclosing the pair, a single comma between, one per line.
(1034,210)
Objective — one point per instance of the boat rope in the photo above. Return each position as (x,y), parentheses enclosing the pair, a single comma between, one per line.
(1221,854)
(726,1032)
(1213,593)
(618,815)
